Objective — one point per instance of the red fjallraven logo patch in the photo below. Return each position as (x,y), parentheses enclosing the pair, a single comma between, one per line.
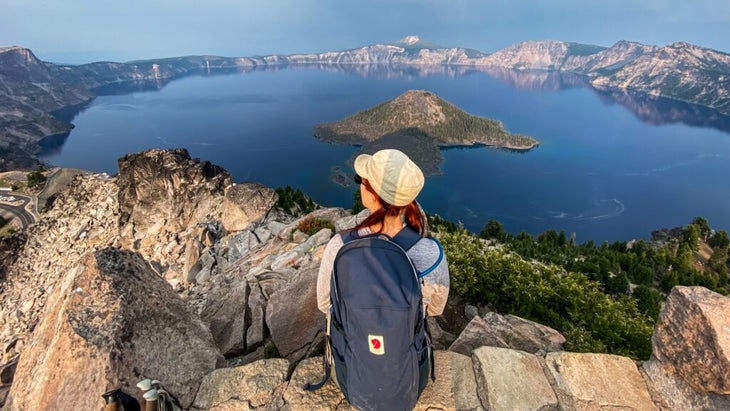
(376,344)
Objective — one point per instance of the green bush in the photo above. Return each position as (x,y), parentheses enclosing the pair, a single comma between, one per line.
(35,178)
(569,302)
(357,205)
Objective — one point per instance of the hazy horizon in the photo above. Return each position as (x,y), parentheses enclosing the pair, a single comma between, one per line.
(78,32)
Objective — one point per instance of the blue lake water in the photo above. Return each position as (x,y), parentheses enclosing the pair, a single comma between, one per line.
(609,167)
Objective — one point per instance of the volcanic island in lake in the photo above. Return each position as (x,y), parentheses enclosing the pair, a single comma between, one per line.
(419,123)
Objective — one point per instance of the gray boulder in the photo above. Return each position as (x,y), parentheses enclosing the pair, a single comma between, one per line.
(225,316)
(295,323)
(455,387)
(585,381)
(245,204)
(507,331)
(512,380)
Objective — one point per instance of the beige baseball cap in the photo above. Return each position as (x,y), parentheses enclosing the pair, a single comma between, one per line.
(392,175)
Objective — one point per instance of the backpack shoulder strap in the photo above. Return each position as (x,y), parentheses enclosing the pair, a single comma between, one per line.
(406,238)
(349,236)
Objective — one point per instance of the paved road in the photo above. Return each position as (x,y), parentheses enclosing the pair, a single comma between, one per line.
(12,205)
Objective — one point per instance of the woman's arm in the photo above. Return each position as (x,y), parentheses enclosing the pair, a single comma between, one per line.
(325,273)
(435,284)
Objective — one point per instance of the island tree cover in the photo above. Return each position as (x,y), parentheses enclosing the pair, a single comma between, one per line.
(422,112)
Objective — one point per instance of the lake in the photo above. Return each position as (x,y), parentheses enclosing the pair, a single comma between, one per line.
(611,166)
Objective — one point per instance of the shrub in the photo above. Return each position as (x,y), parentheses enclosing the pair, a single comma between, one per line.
(35,178)
(548,294)
(294,202)
(357,205)
(311,226)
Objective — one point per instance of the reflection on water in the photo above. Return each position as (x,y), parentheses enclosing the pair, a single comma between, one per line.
(659,110)
(52,145)
(534,80)
(647,108)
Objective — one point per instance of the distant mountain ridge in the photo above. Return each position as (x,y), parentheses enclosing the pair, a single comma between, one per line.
(33,91)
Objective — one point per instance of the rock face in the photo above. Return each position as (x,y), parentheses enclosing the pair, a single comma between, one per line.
(512,380)
(163,192)
(242,388)
(691,336)
(111,322)
(690,362)
(246,203)
(293,318)
(507,331)
(598,382)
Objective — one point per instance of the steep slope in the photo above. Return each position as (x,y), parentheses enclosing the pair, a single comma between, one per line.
(29,93)
(681,71)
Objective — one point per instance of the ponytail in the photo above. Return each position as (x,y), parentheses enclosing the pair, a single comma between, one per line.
(415,217)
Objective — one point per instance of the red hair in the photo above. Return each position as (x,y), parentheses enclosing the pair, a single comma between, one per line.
(414,217)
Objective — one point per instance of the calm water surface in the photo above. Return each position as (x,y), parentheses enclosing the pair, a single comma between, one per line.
(609,167)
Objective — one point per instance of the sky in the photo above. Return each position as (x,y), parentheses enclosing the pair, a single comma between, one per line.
(81,31)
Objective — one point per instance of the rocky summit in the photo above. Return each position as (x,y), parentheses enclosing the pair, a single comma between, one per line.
(171,271)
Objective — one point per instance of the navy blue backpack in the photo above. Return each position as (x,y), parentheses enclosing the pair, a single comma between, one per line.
(378,339)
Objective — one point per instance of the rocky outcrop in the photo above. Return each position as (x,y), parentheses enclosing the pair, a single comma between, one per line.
(505,378)
(174,208)
(111,322)
(82,219)
(690,364)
